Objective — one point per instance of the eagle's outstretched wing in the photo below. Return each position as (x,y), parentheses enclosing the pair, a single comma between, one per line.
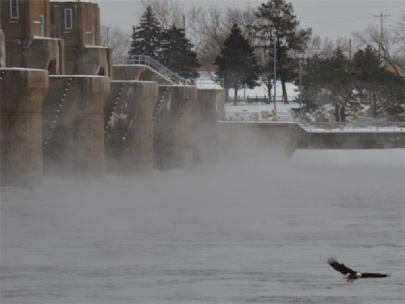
(339,267)
(373,275)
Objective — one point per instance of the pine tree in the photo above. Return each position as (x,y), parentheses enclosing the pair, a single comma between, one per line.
(237,62)
(375,85)
(277,24)
(145,38)
(177,53)
(329,81)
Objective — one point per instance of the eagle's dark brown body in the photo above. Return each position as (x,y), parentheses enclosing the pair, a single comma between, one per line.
(350,275)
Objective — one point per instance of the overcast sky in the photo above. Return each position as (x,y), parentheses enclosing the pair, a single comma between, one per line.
(328,18)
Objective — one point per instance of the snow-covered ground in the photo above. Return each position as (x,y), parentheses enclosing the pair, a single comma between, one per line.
(206,81)
(262,112)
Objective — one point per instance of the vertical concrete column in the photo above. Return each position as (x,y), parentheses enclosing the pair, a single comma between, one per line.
(74,124)
(174,136)
(129,126)
(2,50)
(22,93)
(206,113)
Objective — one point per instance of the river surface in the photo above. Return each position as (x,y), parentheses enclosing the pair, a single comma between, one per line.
(251,232)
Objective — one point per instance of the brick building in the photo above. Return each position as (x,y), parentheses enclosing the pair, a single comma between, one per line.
(26,26)
(78,25)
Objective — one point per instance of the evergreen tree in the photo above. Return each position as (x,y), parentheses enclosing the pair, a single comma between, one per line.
(278,25)
(375,86)
(329,81)
(237,62)
(145,38)
(177,53)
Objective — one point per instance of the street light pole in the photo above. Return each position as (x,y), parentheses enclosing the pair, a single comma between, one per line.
(275,80)
(300,63)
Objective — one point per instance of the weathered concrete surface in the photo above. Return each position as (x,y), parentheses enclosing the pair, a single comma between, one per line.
(137,72)
(21,98)
(73,126)
(36,53)
(89,60)
(2,50)
(128,118)
(207,111)
(174,127)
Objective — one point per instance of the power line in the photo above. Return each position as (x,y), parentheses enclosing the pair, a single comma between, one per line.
(336,20)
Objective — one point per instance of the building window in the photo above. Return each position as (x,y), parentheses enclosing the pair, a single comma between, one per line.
(68,19)
(14,13)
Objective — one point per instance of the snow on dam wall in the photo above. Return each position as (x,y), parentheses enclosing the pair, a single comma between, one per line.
(21,99)
(128,119)
(73,124)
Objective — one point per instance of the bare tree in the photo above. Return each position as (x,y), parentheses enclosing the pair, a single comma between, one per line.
(168,12)
(390,43)
(117,40)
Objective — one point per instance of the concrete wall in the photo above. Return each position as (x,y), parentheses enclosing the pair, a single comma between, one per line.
(206,112)
(284,138)
(2,50)
(129,126)
(174,127)
(73,127)
(37,53)
(353,140)
(21,98)
(92,60)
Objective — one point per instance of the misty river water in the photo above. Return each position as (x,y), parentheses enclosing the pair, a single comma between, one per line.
(244,232)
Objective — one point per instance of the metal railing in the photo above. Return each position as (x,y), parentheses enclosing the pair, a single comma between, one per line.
(155,65)
(261,99)
(354,125)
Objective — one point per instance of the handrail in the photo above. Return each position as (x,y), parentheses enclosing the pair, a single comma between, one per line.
(155,65)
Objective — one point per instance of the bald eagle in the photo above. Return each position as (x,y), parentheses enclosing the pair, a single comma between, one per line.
(351,275)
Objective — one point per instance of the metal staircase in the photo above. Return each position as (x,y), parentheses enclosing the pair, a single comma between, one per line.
(156,67)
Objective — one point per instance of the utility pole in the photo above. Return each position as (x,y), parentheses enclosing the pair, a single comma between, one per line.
(381,16)
(275,78)
(300,67)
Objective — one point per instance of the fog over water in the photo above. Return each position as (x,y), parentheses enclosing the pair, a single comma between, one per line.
(241,231)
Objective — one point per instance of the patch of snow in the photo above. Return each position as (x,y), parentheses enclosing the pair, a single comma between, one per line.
(132,81)
(20,69)
(77,76)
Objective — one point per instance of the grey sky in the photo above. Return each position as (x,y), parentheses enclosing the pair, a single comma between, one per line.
(328,18)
